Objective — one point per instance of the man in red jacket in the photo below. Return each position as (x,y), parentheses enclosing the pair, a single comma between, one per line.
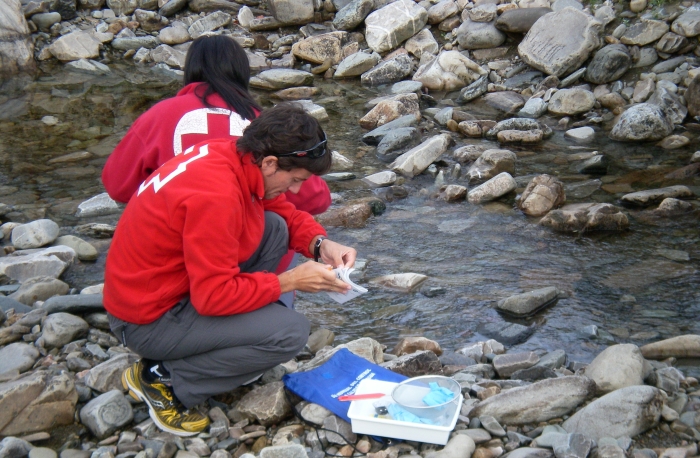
(188,282)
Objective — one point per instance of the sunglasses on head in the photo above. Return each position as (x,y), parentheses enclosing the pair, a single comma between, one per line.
(314,152)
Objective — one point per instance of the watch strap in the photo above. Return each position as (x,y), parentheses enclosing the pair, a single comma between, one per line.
(317,248)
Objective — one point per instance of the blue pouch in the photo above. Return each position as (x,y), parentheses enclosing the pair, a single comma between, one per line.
(336,377)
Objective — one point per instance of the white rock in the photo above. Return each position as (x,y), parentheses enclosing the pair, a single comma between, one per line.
(404,282)
(449,71)
(35,234)
(394,23)
(498,186)
(380,179)
(416,160)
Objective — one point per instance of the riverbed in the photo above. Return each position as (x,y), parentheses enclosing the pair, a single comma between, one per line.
(637,287)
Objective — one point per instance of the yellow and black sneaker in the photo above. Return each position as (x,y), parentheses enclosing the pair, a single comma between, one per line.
(165,409)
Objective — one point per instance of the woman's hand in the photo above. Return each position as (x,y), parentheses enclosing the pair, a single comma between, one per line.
(312,277)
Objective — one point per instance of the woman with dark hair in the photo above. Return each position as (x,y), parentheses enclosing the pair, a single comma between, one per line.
(214,103)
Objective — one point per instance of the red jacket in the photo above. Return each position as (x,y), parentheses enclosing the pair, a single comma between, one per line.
(172,126)
(187,230)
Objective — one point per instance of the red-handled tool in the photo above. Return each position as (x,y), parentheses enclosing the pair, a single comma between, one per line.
(359,397)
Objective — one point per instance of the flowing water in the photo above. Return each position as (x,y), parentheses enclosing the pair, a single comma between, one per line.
(635,287)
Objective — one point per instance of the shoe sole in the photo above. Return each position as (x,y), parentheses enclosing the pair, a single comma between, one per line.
(139,396)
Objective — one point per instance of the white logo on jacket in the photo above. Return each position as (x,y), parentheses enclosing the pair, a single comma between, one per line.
(197,122)
(181,167)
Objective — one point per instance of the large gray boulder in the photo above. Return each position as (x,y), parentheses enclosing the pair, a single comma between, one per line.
(16,46)
(546,48)
(538,402)
(688,23)
(642,122)
(617,367)
(608,64)
(387,27)
(626,412)
(449,71)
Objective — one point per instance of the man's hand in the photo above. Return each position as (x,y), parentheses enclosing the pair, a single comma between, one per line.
(312,277)
(337,255)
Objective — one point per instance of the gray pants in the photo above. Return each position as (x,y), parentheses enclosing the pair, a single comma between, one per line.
(208,355)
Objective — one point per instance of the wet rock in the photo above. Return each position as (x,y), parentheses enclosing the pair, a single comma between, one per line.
(281,78)
(644,32)
(18,357)
(538,402)
(381,179)
(35,234)
(297,93)
(617,367)
(352,14)
(547,49)
(74,46)
(389,71)
(507,333)
(491,163)
(356,64)
(671,206)
(506,365)
(608,64)
(541,195)
(449,71)
(496,187)
(408,345)
(36,402)
(453,193)
(688,23)
(475,129)
(39,289)
(625,412)
(479,35)
(474,90)
(319,339)
(533,108)
(670,103)
(106,413)
(686,346)
(653,196)
(391,109)
(674,142)
(423,362)
(422,43)
(596,165)
(375,136)
(519,136)
(417,159)
(642,122)
(586,217)
(527,304)
(62,328)
(405,282)
(581,134)
(520,20)
(507,101)
(353,216)
(266,404)
(106,376)
(90,67)
(570,102)
(396,142)
(319,48)
(394,23)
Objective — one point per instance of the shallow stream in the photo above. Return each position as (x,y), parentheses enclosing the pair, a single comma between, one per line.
(636,287)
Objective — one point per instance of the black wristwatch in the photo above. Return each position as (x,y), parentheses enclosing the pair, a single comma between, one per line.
(317,248)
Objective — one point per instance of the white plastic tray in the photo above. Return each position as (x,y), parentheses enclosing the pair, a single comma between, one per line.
(364,421)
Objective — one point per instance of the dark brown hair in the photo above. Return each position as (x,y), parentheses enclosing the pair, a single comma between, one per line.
(286,128)
(222,63)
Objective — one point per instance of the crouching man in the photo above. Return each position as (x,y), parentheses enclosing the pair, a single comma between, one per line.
(188,282)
